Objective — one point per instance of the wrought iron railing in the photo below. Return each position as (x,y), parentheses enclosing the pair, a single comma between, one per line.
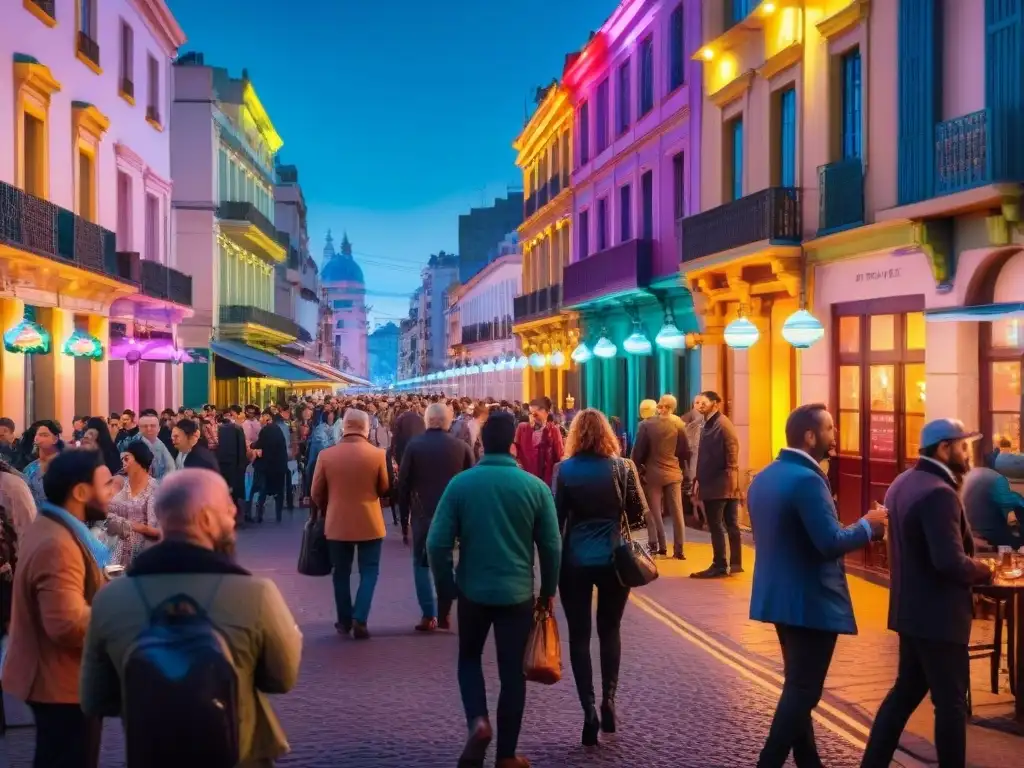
(622,267)
(539,303)
(239,314)
(962,159)
(772,214)
(30,223)
(841,195)
(163,282)
(495,330)
(89,48)
(238,211)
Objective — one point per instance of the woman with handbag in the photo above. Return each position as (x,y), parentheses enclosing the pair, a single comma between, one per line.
(598,495)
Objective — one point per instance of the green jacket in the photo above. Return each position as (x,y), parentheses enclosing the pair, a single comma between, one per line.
(498,513)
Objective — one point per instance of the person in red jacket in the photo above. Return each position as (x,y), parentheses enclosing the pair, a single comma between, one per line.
(538,443)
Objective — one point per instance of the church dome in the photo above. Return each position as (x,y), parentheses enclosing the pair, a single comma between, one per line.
(340,267)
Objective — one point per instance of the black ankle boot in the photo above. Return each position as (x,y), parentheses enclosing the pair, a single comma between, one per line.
(591,726)
(608,707)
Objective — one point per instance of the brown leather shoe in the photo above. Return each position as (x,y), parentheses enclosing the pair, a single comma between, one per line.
(359,631)
(513,762)
(427,624)
(475,751)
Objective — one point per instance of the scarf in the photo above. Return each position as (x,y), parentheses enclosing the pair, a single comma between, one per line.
(92,545)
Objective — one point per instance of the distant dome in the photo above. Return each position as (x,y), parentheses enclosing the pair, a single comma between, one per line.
(340,267)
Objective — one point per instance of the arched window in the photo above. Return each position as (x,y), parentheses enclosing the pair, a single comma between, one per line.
(1002,352)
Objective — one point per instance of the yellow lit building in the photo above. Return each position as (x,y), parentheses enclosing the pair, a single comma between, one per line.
(782,96)
(547,335)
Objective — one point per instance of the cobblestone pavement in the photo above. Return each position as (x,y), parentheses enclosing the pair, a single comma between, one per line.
(393,701)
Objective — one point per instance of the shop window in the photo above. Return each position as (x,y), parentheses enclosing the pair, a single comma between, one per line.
(913,405)
(882,333)
(882,424)
(849,409)
(915,330)
(1005,399)
(849,335)
(1008,334)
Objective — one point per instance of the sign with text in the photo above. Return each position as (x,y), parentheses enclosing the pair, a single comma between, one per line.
(878,275)
(882,435)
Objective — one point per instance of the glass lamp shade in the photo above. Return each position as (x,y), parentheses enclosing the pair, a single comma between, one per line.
(27,338)
(488,367)
(802,329)
(500,366)
(522,362)
(537,361)
(558,358)
(473,370)
(741,334)
(670,337)
(605,348)
(582,353)
(82,344)
(637,344)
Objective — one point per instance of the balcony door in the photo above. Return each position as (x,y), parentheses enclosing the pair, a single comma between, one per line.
(880,402)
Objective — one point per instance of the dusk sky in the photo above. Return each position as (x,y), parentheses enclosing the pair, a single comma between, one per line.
(399,115)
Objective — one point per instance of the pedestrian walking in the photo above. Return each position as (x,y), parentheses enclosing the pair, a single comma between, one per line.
(349,480)
(232,456)
(660,453)
(192,454)
(96,437)
(931,608)
(431,460)
(717,487)
(149,432)
(167,717)
(133,503)
(593,504)
(44,438)
(60,570)
(271,450)
(799,578)
(499,515)
(693,421)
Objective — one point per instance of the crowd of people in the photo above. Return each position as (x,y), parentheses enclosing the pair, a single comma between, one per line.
(482,492)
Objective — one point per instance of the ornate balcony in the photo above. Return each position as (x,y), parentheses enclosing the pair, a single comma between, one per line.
(250,229)
(544,302)
(773,214)
(962,160)
(621,268)
(240,320)
(496,330)
(841,201)
(162,282)
(31,224)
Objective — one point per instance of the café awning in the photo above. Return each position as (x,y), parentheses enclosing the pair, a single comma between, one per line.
(266,364)
(977,313)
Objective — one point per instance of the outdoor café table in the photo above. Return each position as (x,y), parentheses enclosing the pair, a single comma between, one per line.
(1012,589)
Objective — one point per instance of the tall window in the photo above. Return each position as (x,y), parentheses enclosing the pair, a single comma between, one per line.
(734,144)
(851,105)
(602,115)
(152,228)
(625,210)
(584,228)
(738,10)
(153,96)
(584,133)
(647,205)
(34,155)
(678,185)
(87,18)
(646,75)
(86,185)
(787,138)
(623,98)
(676,57)
(565,159)
(124,211)
(602,224)
(127,60)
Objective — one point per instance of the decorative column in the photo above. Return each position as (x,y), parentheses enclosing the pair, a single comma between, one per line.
(12,367)
(99,384)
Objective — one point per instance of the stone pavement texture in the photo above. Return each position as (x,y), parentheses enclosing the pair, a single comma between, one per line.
(393,701)
(863,667)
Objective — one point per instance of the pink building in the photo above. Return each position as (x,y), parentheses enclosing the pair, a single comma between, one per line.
(342,279)
(637,99)
(85,170)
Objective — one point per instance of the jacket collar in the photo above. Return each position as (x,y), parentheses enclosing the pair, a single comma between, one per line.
(183,557)
(353,437)
(796,456)
(497,460)
(937,468)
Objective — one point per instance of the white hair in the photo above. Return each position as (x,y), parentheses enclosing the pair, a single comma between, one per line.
(669,403)
(356,422)
(438,416)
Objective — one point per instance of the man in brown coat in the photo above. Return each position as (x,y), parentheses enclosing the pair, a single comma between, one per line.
(349,480)
(660,452)
(717,486)
(60,569)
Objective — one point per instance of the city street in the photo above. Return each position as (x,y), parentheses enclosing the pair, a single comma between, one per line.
(394,701)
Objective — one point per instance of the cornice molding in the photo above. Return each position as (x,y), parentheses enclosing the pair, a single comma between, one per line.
(29,73)
(844,19)
(781,61)
(156,182)
(125,157)
(732,90)
(86,117)
(162,24)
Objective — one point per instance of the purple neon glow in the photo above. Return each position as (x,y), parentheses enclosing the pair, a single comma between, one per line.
(156,350)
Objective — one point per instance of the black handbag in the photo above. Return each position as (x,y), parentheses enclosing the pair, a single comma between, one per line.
(314,559)
(633,564)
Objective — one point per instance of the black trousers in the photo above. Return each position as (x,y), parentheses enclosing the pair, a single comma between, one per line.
(925,666)
(576,589)
(806,656)
(723,522)
(65,737)
(512,624)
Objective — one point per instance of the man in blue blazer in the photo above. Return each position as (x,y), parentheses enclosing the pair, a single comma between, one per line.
(799,578)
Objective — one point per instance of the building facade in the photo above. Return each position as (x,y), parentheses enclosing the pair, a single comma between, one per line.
(297,280)
(481,228)
(89,299)
(440,274)
(637,101)
(342,277)
(544,154)
(484,356)
(382,348)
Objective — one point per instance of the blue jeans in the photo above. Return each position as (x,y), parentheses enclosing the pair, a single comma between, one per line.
(424,586)
(367,554)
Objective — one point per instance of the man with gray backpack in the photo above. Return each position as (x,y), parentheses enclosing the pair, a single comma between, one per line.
(185,646)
